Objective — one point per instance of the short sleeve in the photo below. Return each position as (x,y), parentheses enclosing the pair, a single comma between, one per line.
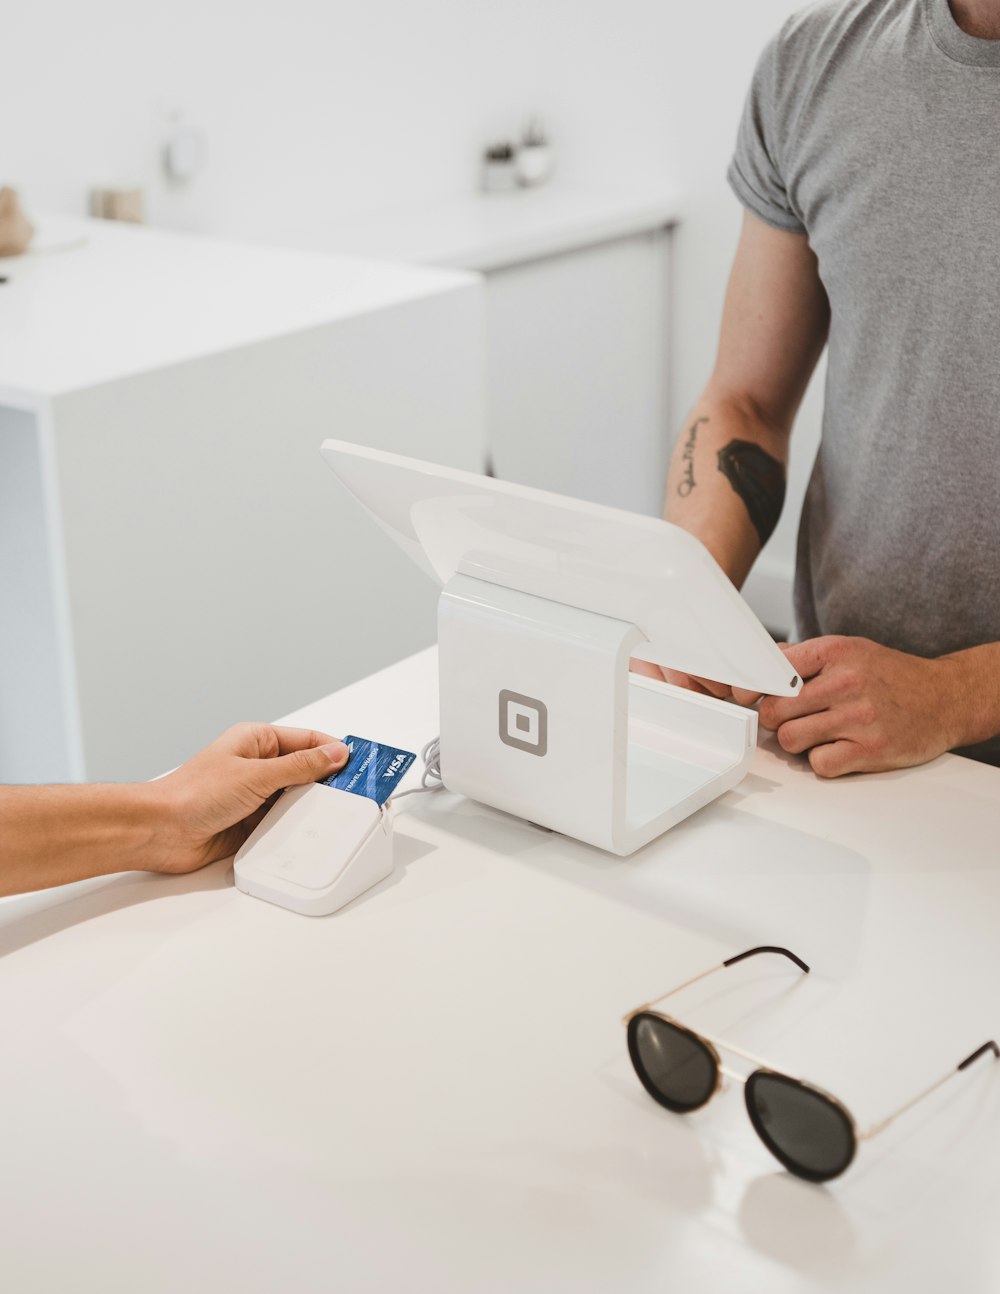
(755,172)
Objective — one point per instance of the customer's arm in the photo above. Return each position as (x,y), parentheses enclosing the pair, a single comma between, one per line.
(200,812)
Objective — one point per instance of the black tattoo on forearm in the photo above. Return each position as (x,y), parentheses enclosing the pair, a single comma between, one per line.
(686,484)
(758,479)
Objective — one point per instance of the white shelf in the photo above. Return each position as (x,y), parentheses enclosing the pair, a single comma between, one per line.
(490,231)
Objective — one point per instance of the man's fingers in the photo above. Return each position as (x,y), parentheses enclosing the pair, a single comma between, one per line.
(809,657)
(798,735)
(722,691)
(814,698)
(647,669)
(686,681)
(836,758)
(704,686)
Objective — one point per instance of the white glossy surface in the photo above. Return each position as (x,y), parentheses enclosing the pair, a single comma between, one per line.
(429,1091)
(97,301)
(642,570)
(497,230)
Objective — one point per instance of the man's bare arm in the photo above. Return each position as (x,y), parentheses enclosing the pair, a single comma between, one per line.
(727,475)
(864,707)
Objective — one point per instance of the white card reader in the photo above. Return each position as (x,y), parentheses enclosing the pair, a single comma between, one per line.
(316,849)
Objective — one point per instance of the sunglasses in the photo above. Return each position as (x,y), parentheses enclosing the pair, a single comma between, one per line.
(807,1130)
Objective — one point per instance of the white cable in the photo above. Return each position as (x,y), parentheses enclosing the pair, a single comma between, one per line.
(430,779)
(431,755)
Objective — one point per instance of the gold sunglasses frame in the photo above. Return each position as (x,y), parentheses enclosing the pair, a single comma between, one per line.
(762,1066)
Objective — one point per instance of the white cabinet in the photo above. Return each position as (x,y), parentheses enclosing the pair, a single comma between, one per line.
(174,554)
(577,372)
(577,296)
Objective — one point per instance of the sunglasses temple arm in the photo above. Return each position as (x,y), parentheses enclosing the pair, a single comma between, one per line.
(882,1124)
(671,991)
(730,961)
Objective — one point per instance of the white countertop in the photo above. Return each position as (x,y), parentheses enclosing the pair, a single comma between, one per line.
(488,231)
(429,1091)
(94,301)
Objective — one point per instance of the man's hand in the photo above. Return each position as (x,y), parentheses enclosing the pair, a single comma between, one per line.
(704,686)
(864,708)
(212,803)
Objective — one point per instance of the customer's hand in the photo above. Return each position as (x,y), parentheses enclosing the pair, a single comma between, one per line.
(863,708)
(209,805)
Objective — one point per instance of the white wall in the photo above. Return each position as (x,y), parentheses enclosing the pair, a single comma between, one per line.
(347,106)
(320,106)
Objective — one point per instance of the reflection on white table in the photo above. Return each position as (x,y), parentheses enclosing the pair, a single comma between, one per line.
(430,1090)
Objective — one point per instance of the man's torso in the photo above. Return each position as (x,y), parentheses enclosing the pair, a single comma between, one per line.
(886,120)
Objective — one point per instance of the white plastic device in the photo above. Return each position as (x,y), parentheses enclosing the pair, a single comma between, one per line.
(545,601)
(316,849)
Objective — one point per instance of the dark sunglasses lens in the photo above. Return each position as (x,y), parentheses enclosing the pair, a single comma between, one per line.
(675,1067)
(806,1131)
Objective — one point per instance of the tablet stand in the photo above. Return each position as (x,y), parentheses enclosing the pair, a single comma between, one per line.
(541,718)
(545,600)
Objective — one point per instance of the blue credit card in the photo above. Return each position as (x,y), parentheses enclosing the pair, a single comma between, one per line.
(372,769)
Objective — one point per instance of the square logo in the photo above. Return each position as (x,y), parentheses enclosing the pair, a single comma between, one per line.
(524,723)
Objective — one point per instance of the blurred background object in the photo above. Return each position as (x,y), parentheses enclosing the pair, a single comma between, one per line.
(536,157)
(118,204)
(500,167)
(16,230)
(184,152)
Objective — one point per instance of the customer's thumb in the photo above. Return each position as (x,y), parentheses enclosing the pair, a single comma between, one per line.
(302,766)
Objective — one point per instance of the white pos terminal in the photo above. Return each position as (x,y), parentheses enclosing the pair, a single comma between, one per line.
(545,600)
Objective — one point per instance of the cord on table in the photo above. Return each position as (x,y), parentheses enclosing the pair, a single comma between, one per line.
(430,779)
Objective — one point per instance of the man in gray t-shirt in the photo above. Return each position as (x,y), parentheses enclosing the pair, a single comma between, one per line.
(868,160)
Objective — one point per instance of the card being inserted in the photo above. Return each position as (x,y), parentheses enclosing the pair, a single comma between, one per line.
(372,769)
(320,846)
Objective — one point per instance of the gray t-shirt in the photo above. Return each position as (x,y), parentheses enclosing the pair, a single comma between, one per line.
(873,126)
